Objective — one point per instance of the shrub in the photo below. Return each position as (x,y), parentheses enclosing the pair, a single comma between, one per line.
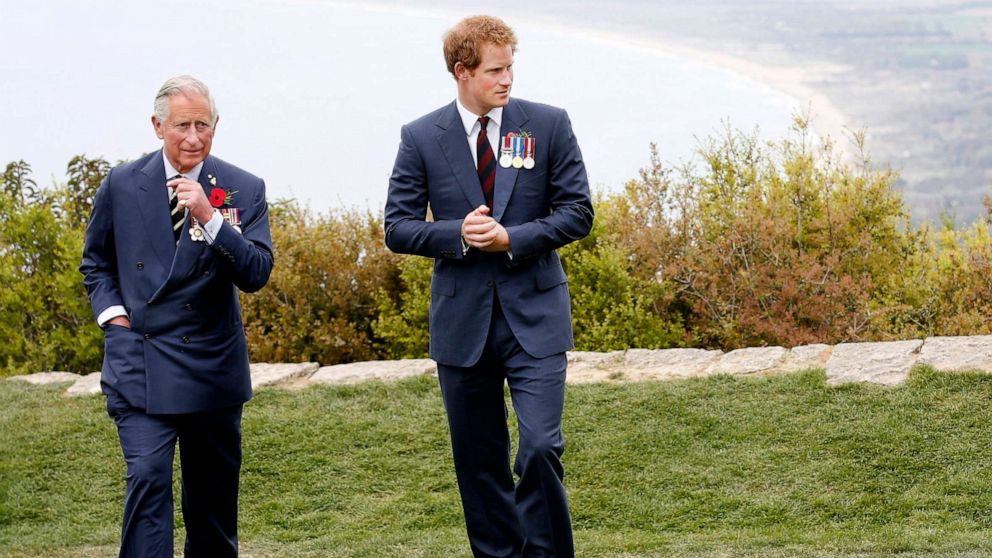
(45,318)
(320,301)
(770,244)
(402,324)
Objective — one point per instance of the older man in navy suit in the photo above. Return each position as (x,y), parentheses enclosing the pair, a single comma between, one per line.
(506,186)
(172,238)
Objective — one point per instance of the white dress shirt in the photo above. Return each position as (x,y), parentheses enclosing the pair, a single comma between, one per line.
(472,128)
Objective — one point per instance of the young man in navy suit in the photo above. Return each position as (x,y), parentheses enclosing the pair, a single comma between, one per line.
(506,186)
(172,238)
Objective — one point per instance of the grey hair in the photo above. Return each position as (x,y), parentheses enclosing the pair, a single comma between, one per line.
(177,85)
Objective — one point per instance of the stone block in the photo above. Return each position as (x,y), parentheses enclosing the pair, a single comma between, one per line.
(958,353)
(663,364)
(85,385)
(749,360)
(885,363)
(386,370)
(44,378)
(268,374)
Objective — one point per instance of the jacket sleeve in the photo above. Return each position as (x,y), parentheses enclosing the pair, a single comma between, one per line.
(407,228)
(99,264)
(571,213)
(247,256)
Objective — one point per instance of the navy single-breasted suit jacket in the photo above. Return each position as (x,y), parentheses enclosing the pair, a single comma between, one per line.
(186,349)
(542,209)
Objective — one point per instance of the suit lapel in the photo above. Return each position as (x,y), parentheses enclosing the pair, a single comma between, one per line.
(187,251)
(153,204)
(513,120)
(454,145)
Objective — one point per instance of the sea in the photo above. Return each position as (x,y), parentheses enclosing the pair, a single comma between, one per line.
(311,94)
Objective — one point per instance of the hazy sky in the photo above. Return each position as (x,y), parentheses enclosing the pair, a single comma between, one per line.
(312,94)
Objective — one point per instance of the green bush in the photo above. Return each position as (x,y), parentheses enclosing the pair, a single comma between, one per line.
(780,243)
(45,318)
(402,324)
(774,244)
(320,301)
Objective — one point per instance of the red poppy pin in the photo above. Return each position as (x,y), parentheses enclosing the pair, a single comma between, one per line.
(220,197)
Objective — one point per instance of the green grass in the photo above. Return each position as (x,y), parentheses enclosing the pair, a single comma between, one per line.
(717,467)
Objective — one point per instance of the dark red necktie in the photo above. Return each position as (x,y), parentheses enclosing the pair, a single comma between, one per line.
(486,161)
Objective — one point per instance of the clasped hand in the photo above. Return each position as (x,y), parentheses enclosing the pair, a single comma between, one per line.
(483,232)
(191,196)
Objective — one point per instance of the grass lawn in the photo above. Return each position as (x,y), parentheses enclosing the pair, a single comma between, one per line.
(715,467)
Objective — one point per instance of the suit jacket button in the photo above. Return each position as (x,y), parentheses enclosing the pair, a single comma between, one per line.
(148,336)
(185,339)
(187,306)
(206,273)
(141,265)
(489,283)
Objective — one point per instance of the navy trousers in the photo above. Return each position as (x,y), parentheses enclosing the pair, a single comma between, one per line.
(210,458)
(529,519)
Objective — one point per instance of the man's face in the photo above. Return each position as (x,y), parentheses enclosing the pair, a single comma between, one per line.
(188,131)
(487,86)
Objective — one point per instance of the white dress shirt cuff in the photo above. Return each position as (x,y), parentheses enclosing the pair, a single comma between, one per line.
(109,314)
(212,227)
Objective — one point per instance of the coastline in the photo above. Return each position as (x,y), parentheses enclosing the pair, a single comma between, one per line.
(795,82)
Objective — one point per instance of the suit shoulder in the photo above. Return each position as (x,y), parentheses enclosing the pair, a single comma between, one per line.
(429,120)
(540,109)
(126,171)
(134,165)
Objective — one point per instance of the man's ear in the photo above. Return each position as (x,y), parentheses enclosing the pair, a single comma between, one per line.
(158,128)
(461,71)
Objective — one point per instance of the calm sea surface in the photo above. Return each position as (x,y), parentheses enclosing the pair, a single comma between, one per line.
(312,94)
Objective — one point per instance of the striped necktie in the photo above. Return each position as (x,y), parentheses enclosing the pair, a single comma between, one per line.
(175,211)
(486,161)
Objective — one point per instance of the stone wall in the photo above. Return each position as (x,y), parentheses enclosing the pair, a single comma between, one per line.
(885,363)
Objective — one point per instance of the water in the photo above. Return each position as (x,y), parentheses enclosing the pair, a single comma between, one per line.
(312,94)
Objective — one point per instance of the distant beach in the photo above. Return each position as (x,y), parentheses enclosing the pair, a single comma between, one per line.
(793,81)
(828,120)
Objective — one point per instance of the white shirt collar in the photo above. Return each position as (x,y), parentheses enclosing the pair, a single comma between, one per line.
(192,174)
(470,120)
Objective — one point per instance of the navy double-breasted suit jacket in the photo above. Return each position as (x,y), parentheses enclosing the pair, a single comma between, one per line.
(186,349)
(542,209)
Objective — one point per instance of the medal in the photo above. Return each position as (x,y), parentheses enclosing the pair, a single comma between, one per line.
(506,151)
(232,215)
(528,161)
(518,150)
(195,232)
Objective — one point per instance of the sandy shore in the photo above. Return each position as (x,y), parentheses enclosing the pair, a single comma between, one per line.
(792,81)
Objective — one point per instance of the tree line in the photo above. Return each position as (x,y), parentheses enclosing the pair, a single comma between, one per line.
(756,243)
